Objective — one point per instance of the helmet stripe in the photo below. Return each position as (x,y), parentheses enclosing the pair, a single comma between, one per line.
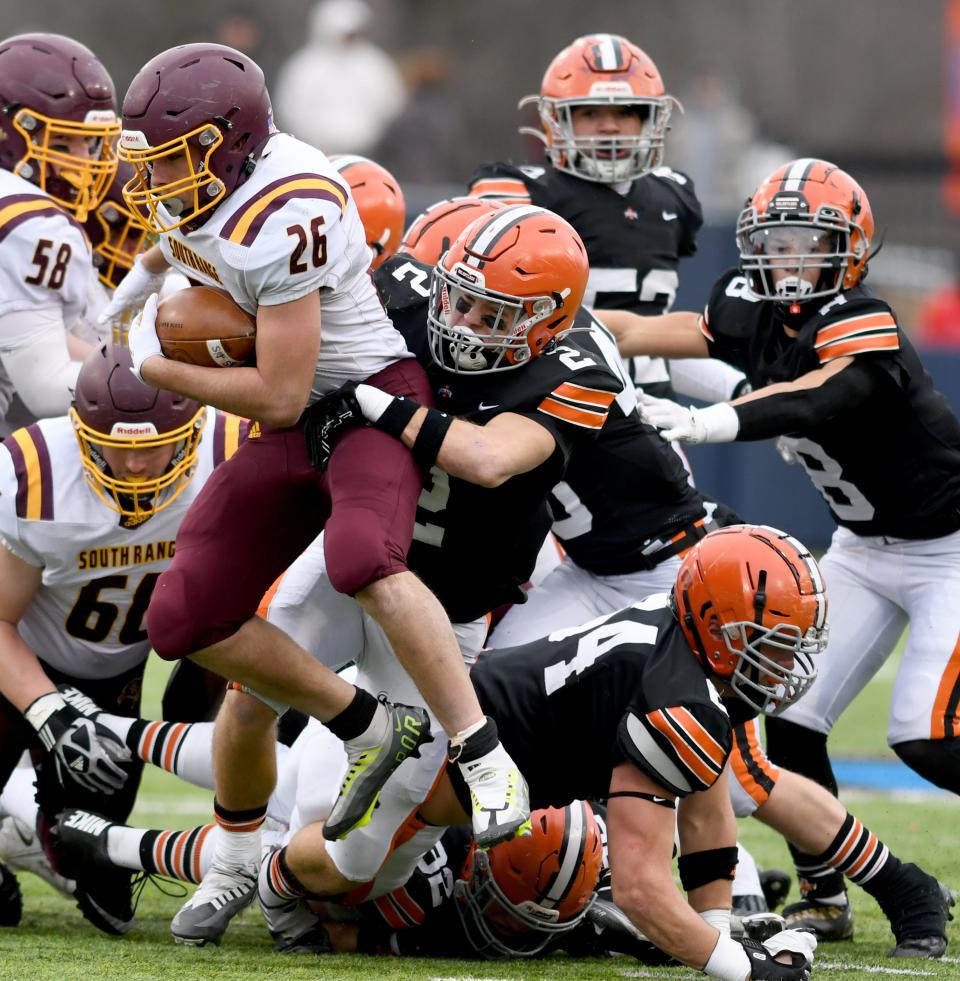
(571,853)
(799,171)
(493,230)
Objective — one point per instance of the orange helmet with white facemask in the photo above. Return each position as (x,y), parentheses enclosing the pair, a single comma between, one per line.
(516,897)
(431,232)
(602,70)
(752,605)
(807,215)
(379,200)
(509,286)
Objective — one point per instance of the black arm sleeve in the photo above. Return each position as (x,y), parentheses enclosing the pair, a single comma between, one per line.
(794,412)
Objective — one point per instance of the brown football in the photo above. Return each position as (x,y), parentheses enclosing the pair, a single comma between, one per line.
(204,326)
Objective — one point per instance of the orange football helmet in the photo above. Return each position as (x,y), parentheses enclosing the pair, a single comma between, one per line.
(602,70)
(509,285)
(379,200)
(808,214)
(432,231)
(516,897)
(752,605)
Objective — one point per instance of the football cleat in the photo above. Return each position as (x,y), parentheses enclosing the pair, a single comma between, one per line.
(81,841)
(105,897)
(918,914)
(11,901)
(500,797)
(20,848)
(755,926)
(294,927)
(368,768)
(824,920)
(223,892)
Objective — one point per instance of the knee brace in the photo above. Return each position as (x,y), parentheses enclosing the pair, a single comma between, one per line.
(936,760)
(802,750)
(699,868)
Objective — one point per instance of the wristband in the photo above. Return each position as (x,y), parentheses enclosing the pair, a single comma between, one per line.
(729,961)
(40,709)
(426,447)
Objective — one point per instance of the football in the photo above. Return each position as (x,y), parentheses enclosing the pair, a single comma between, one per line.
(202,325)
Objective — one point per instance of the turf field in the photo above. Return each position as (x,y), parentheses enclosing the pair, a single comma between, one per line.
(54,942)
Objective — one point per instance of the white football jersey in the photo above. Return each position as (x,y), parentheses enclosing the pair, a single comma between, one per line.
(88,617)
(44,252)
(290,229)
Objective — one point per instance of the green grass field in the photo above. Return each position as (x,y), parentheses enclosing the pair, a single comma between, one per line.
(54,942)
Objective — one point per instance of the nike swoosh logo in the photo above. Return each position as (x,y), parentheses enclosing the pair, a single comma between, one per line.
(482,407)
(669,215)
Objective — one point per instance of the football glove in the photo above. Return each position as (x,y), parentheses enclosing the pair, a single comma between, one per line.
(798,945)
(327,419)
(142,336)
(131,293)
(715,424)
(84,752)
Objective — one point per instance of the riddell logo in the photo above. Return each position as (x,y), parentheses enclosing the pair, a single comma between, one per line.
(133,429)
(134,139)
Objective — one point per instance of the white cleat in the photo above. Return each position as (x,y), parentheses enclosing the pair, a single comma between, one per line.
(20,848)
(222,893)
(500,797)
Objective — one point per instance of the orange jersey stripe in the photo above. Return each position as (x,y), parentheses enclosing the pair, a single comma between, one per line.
(408,904)
(704,741)
(661,721)
(577,393)
(508,188)
(859,345)
(579,417)
(943,726)
(844,328)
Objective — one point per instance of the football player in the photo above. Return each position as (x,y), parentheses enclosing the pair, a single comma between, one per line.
(89,509)
(604,116)
(379,199)
(244,208)
(58,129)
(837,378)
(521,420)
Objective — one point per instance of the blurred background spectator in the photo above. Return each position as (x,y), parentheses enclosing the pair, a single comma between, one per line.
(340,91)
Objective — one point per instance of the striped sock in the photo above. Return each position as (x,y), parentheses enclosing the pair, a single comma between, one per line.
(181,748)
(179,854)
(857,852)
(238,843)
(277,884)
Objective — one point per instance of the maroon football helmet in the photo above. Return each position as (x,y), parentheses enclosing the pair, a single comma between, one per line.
(54,93)
(208,102)
(112,409)
(116,233)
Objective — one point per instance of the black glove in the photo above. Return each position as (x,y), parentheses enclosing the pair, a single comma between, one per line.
(84,752)
(763,966)
(327,419)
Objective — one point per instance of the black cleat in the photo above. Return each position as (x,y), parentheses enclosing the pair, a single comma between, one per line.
(11,902)
(105,897)
(775,884)
(918,914)
(824,920)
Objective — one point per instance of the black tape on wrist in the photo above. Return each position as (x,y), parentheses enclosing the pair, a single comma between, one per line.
(426,447)
(396,415)
(699,868)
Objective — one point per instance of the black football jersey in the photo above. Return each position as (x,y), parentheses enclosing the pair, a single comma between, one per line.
(624,688)
(887,466)
(621,492)
(634,240)
(475,546)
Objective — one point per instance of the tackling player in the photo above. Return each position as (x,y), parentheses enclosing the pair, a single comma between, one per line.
(57,157)
(242,207)
(835,375)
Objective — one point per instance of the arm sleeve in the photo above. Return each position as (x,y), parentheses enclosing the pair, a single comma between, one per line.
(35,356)
(799,410)
(706,379)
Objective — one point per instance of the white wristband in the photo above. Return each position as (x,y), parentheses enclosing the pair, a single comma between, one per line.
(373,403)
(728,961)
(40,709)
(720,421)
(719,919)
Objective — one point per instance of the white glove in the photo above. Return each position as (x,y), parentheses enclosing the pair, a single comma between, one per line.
(133,290)
(794,941)
(142,338)
(715,424)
